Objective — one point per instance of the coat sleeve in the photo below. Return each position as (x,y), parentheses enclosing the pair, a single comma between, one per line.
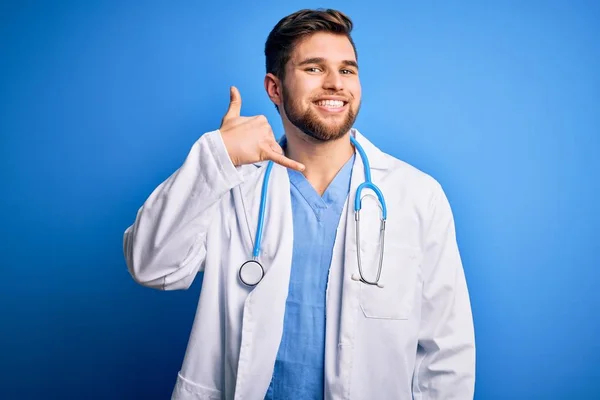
(165,247)
(445,364)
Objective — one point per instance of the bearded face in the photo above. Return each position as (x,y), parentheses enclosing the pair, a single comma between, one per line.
(327,116)
(321,92)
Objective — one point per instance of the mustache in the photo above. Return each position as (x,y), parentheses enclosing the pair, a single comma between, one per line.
(345,96)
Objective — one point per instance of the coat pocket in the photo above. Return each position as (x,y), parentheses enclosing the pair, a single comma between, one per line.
(399,277)
(186,389)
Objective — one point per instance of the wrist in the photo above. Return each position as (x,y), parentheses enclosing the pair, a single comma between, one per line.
(230,147)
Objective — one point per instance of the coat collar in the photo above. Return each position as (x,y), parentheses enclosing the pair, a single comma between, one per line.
(377,158)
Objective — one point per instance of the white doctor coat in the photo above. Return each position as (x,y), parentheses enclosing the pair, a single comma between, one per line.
(411,339)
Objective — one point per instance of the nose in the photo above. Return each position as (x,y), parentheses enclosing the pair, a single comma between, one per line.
(333,81)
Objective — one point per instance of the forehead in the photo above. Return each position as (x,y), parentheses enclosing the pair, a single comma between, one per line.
(329,46)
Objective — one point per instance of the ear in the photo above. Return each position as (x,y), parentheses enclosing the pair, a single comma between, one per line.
(273,88)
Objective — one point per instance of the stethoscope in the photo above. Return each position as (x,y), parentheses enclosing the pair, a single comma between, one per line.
(251,272)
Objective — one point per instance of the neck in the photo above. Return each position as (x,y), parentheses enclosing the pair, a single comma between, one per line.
(323,160)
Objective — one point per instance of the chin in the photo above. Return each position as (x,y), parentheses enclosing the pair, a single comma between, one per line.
(326,135)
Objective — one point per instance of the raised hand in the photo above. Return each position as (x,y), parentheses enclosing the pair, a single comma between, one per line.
(251,139)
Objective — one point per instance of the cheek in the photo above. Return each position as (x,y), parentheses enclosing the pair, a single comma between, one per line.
(356,100)
(299,95)
(311,86)
(356,91)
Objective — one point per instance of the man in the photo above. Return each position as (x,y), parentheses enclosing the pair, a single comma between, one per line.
(312,327)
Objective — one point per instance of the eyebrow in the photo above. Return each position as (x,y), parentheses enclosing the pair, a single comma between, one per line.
(321,60)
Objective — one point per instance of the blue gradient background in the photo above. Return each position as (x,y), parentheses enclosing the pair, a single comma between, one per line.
(101,101)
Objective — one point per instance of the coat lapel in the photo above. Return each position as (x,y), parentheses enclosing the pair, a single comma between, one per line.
(343,297)
(264,307)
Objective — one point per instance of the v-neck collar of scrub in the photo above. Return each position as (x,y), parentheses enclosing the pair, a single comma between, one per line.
(336,192)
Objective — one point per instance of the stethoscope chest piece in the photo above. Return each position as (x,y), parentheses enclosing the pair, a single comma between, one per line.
(251,273)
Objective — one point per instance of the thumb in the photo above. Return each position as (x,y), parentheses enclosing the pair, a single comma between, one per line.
(235,104)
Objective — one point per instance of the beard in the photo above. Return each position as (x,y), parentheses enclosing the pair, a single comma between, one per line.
(314,125)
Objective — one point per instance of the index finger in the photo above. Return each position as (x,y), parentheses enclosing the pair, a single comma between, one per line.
(286,162)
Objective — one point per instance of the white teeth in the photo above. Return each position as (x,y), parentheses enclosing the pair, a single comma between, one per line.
(331,103)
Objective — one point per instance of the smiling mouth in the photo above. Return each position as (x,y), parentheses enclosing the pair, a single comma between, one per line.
(331,105)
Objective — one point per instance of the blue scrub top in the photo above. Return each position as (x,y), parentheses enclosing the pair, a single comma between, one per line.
(299,367)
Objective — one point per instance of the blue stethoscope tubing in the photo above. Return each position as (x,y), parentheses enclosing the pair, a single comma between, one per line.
(255,270)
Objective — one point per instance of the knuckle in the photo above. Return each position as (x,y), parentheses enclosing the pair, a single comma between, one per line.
(263,150)
(262,119)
